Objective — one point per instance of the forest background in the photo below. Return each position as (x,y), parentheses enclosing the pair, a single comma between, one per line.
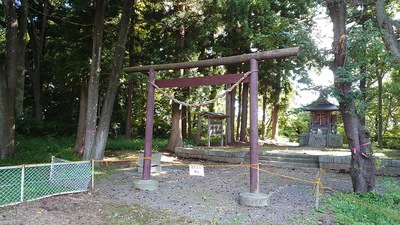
(61,67)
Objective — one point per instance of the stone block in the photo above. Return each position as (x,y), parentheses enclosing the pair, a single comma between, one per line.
(241,154)
(302,139)
(388,171)
(326,158)
(317,140)
(335,141)
(342,159)
(334,166)
(396,163)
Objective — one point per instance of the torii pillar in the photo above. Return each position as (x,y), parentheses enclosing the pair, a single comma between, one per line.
(254,198)
(146,183)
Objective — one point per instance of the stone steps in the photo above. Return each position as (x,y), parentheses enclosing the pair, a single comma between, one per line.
(288,160)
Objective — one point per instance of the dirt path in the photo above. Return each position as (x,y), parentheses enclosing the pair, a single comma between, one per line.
(184,199)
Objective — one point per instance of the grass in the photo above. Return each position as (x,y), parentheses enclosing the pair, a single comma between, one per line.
(40,150)
(389,153)
(368,208)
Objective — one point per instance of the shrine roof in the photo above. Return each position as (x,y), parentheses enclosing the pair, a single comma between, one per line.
(214,115)
(321,105)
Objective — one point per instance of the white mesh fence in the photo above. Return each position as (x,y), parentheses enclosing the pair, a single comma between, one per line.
(31,182)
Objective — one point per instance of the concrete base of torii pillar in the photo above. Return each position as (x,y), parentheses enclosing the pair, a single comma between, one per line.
(254,199)
(145,185)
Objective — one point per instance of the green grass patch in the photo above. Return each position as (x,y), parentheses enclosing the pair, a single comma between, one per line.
(369,208)
(389,153)
(40,150)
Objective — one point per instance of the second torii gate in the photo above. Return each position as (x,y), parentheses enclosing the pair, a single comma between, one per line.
(254,198)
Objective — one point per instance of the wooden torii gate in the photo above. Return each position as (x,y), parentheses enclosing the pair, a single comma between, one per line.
(253,59)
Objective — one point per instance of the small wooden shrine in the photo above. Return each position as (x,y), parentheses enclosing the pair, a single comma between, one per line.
(322,126)
(215,125)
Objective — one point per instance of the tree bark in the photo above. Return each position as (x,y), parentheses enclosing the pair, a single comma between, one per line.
(386,24)
(105,118)
(264,115)
(239,111)
(93,90)
(19,95)
(198,127)
(362,169)
(274,123)
(37,40)
(8,80)
(245,100)
(380,120)
(81,133)
(175,139)
(129,110)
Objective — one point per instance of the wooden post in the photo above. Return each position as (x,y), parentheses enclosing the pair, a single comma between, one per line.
(254,172)
(148,140)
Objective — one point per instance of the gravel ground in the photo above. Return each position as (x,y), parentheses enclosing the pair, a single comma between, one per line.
(184,199)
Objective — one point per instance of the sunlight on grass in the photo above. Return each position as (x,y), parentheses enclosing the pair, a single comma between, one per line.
(371,207)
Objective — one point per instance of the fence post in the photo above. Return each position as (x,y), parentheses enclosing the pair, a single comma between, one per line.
(317,197)
(92,174)
(22,182)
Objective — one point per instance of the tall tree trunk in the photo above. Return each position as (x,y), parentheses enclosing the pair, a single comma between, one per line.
(274,119)
(175,139)
(388,36)
(230,112)
(105,118)
(380,120)
(81,132)
(184,115)
(264,112)
(189,122)
(198,128)
(19,95)
(277,90)
(245,100)
(129,110)
(362,169)
(37,40)
(9,77)
(363,89)
(93,90)
(239,111)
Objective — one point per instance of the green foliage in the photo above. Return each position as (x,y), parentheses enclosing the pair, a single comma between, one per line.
(31,127)
(294,124)
(133,144)
(369,208)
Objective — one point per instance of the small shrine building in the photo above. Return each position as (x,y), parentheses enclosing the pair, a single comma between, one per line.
(322,125)
(215,125)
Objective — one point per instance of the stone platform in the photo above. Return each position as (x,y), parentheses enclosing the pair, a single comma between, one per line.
(337,160)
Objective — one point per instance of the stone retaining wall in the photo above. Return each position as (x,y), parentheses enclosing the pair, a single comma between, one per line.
(390,167)
(212,154)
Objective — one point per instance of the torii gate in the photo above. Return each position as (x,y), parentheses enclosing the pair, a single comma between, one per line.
(253,198)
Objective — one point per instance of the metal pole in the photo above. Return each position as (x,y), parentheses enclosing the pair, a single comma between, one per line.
(92,174)
(22,182)
(148,140)
(254,172)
